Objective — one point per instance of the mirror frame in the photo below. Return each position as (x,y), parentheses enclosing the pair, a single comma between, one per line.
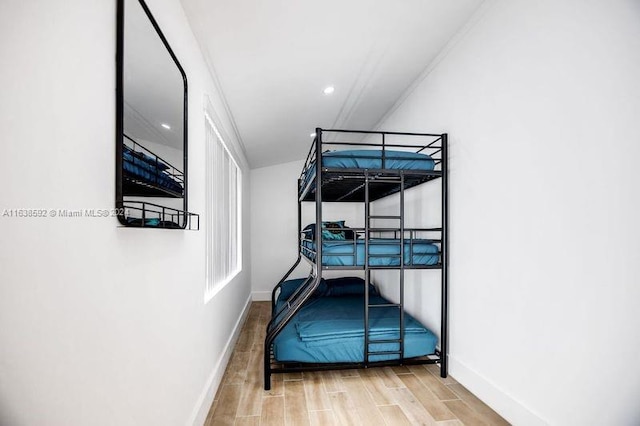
(120,110)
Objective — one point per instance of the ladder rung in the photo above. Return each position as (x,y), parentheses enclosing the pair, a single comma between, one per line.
(385,217)
(385,305)
(385,353)
(371,342)
(386,229)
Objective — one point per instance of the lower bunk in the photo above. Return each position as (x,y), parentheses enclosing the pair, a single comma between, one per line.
(328,330)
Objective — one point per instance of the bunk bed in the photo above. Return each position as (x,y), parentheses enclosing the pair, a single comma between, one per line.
(320,323)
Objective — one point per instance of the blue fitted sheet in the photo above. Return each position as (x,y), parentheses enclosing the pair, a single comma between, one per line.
(331,329)
(341,252)
(372,159)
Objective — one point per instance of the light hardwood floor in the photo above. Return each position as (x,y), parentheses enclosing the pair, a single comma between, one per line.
(414,395)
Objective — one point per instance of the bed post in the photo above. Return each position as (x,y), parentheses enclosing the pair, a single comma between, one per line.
(318,262)
(267,364)
(299,217)
(367,271)
(444,329)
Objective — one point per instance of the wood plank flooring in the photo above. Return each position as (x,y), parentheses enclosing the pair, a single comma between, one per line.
(414,395)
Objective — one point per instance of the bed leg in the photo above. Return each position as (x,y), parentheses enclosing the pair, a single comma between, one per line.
(267,369)
(443,367)
(267,381)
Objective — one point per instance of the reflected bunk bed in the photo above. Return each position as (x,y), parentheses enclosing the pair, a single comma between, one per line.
(145,174)
(341,323)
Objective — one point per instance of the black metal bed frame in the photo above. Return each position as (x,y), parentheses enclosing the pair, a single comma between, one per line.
(364,185)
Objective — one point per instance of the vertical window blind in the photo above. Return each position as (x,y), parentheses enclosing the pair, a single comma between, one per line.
(223,235)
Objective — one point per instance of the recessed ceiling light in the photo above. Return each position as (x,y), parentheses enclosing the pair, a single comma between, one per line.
(329,90)
(166,126)
(313,135)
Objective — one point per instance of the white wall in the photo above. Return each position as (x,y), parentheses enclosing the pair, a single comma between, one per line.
(99,324)
(541,100)
(274,225)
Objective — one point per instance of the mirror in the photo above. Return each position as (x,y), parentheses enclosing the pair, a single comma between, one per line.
(151,124)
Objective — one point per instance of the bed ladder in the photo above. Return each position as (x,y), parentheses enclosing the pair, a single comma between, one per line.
(400,306)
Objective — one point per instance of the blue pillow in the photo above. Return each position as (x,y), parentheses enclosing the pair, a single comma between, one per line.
(147,222)
(309,231)
(327,234)
(290,286)
(329,231)
(150,161)
(348,286)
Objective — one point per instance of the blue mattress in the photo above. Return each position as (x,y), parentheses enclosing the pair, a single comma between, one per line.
(372,159)
(382,252)
(330,329)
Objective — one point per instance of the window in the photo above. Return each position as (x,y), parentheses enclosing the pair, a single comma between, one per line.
(223,221)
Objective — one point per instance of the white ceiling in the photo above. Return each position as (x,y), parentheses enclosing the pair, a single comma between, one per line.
(274,58)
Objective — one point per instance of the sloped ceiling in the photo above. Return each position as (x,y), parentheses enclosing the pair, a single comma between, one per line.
(274,58)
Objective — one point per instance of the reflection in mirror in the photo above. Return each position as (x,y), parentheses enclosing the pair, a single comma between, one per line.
(151,138)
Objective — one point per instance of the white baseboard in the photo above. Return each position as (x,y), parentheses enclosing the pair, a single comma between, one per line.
(514,411)
(261,296)
(199,415)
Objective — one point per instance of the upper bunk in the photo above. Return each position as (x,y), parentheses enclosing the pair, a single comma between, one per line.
(145,174)
(388,159)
